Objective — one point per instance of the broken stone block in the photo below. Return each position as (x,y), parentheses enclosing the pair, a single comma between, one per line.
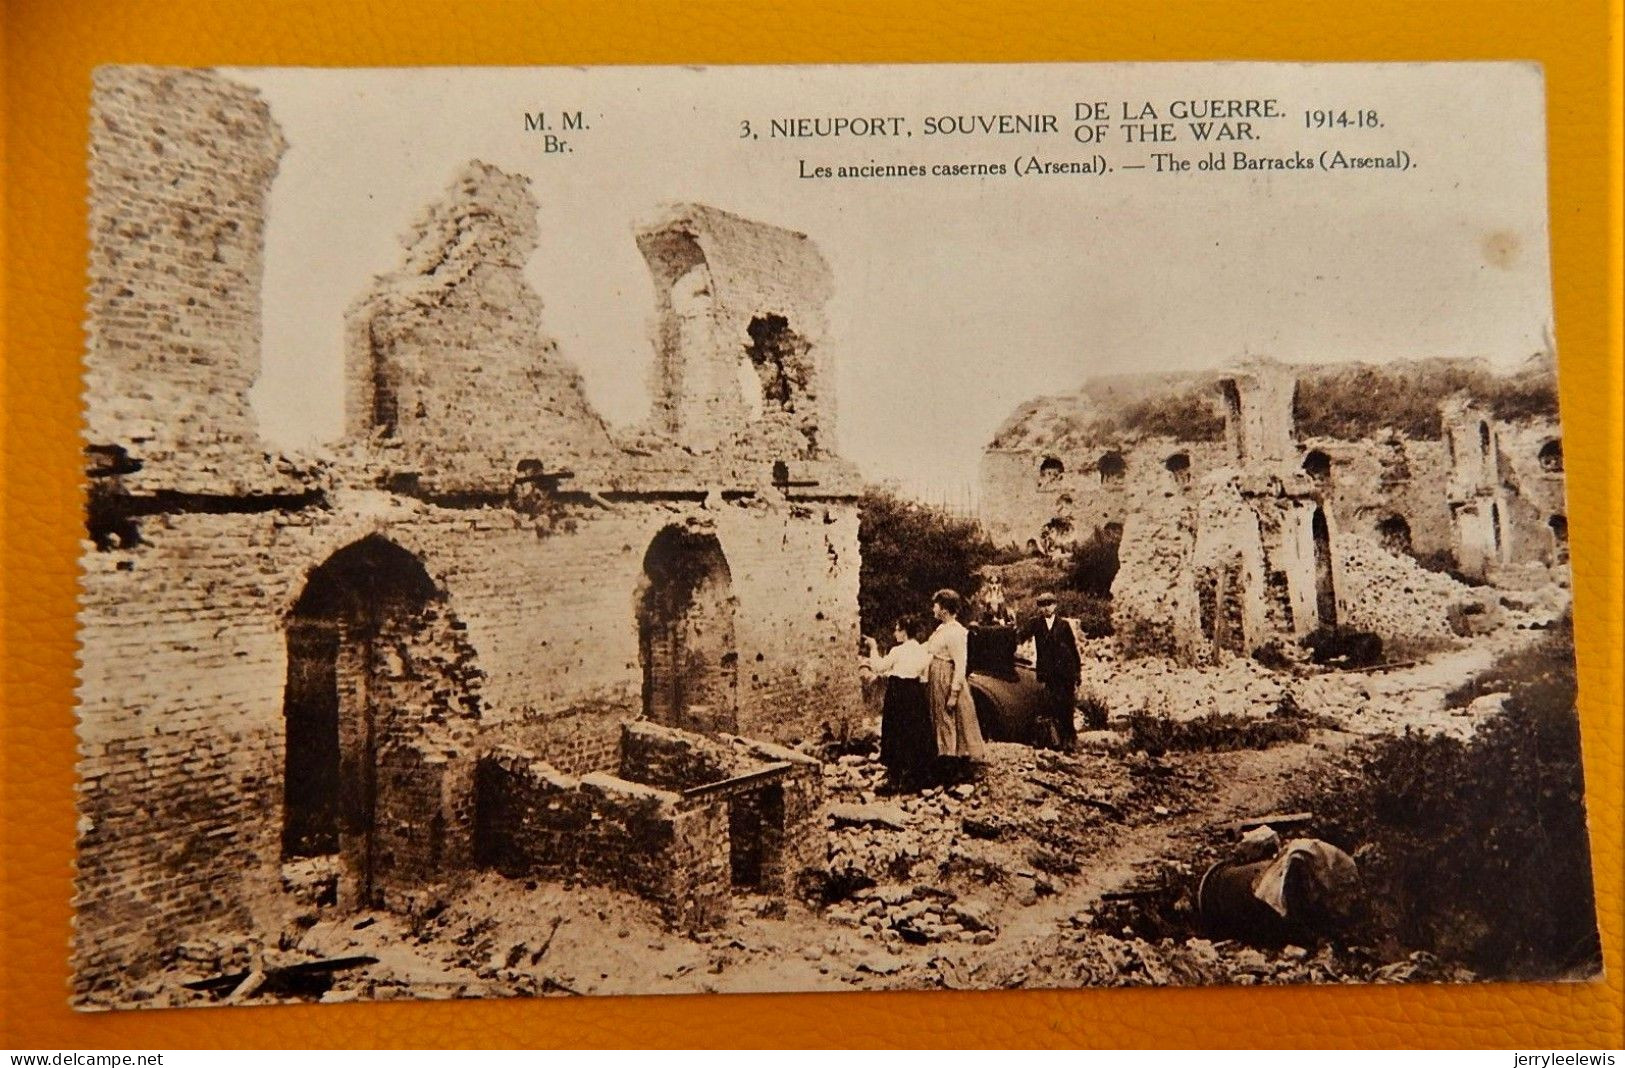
(887,817)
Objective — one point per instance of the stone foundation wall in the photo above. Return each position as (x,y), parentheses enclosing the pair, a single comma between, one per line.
(777,826)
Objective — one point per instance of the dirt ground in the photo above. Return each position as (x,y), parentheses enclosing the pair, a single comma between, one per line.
(1049,870)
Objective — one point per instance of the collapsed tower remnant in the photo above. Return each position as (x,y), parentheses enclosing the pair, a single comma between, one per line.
(457,397)
(479,632)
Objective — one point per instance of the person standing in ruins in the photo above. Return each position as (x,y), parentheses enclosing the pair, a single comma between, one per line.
(908,741)
(953,713)
(1056,649)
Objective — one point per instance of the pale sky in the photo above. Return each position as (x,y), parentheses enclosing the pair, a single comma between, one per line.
(955,298)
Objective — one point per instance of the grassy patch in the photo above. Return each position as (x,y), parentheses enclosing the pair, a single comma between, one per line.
(1477,851)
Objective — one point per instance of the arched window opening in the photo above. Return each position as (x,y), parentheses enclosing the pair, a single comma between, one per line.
(1551,456)
(1484,438)
(1317,465)
(1559,525)
(1050,471)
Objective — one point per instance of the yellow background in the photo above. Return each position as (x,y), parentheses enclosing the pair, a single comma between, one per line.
(51,48)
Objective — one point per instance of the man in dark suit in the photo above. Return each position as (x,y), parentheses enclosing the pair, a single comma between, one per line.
(1057,651)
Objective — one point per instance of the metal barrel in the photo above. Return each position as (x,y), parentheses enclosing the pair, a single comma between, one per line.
(1226,907)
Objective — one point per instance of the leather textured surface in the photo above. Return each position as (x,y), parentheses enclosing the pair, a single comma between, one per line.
(51,49)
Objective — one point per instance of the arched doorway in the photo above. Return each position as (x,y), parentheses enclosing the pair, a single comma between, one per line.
(686,634)
(1112,467)
(1325,591)
(1317,465)
(360,615)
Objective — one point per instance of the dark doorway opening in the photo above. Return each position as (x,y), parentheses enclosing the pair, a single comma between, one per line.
(686,634)
(334,652)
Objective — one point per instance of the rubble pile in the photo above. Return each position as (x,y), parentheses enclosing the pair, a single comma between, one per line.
(1095,959)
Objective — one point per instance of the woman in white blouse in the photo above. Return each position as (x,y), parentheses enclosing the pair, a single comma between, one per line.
(908,742)
(953,713)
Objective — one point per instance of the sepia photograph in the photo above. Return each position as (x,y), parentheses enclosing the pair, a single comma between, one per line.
(654,530)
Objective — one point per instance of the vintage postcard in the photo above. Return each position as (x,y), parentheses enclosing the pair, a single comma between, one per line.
(669,530)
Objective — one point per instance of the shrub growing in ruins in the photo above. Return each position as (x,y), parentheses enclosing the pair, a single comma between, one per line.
(1358,401)
(1477,851)
(1093,564)
(1344,647)
(910,551)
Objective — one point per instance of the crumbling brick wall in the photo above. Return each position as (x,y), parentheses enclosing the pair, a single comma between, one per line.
(1368,483)
(1246,558)
(1532,458)
(181,164)
(1150,606)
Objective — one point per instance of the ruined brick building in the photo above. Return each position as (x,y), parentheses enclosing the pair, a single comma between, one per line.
(484,630)
(1247,535)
